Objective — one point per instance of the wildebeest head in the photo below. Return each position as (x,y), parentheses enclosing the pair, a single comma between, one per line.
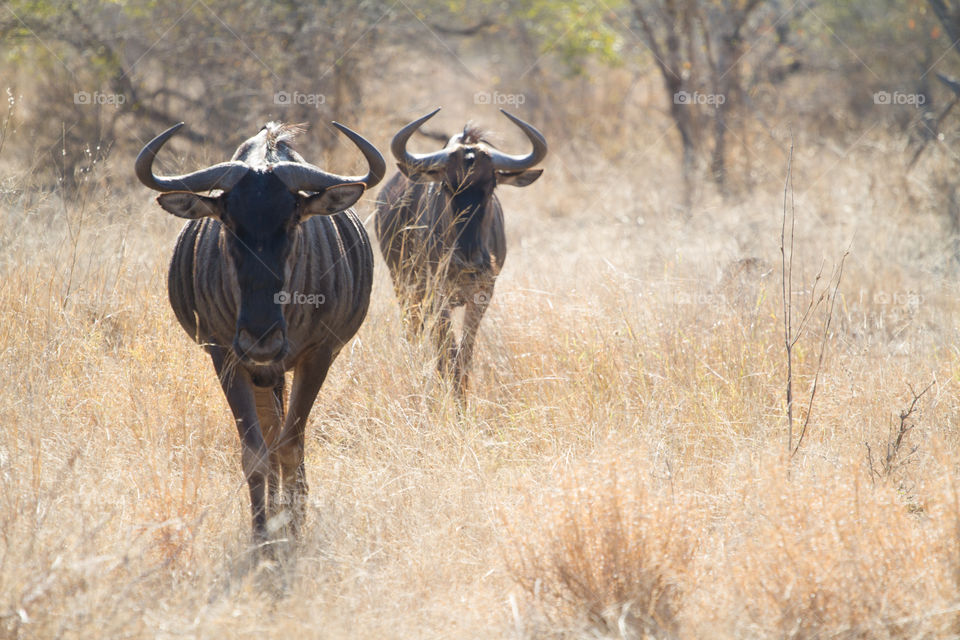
(266,192)
(468,169)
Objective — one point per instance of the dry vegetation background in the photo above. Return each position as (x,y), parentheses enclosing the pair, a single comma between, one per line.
(621,469)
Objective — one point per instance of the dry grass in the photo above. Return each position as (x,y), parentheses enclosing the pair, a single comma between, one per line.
(805,560)
(604,550)
(617,472)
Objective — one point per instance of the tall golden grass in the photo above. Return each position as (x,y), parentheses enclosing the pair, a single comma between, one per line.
(619,469)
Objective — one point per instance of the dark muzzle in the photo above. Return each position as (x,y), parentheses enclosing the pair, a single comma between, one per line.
(472,261)
(267,348)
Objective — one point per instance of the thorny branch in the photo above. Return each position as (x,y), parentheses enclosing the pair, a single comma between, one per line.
(892,460)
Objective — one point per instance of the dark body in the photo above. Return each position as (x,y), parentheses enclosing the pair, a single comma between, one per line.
(272,275)
(441,232)
(331,259)
(420,226)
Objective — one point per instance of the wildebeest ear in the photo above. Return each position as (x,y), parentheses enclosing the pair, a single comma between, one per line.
(332,200)
(185,204)
(521,179)
(435,175)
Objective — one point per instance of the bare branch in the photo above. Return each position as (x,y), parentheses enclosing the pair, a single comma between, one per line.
(472,30)
(893,460)
(823,348)
(786,283)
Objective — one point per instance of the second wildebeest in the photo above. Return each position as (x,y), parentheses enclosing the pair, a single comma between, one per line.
(272,274)
(441,232)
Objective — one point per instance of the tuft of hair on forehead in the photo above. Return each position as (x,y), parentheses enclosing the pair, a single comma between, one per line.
(279,133)
(473,134)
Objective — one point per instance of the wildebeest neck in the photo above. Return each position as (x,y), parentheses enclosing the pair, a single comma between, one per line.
(468,207)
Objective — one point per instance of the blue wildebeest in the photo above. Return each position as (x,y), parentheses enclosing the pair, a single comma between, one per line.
(272,274)
(440,228)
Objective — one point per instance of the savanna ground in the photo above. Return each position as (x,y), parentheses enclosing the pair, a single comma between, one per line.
(621,468)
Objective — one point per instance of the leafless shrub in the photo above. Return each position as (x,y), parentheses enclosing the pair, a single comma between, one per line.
(792,335)
(893,458)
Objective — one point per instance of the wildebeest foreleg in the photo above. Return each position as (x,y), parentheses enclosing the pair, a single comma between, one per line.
(473,313)
(270,413)
(411,299)
(239,391)
(445,343)
(308,377)
(413,320)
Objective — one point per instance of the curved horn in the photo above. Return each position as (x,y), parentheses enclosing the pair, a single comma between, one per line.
(421,162)
(507,162)
(220,176)
(306,177)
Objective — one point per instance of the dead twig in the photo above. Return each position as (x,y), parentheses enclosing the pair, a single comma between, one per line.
(786,286)
(892,459)
(838,275)
(790,335)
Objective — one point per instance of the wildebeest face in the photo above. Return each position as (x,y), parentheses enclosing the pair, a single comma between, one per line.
(469,169)
(469,180)
(259,218)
